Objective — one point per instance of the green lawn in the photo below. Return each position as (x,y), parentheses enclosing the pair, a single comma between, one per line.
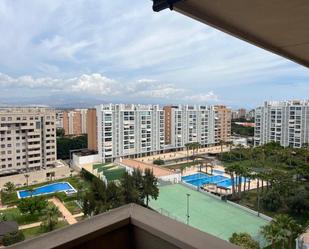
(22,219)
(111,172)
(36,231)
(9,198)
(114,174)
(73,207)
(206,213)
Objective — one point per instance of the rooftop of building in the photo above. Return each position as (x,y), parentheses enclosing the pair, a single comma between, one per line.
(25,110)
(287,103)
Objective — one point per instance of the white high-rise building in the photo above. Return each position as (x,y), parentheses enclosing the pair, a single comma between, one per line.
(285,122)
(189,124)
(129,130)
(27,139)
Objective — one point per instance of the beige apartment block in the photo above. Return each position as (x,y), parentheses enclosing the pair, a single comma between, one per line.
(75,122)
(27,139)
(223,124)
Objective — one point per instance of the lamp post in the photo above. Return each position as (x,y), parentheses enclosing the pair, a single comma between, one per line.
(188,215)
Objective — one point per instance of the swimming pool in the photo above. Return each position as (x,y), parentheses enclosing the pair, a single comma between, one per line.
(48,189)
(199,179)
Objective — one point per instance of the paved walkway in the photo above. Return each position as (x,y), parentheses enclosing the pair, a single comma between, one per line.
(65,212)
(182,154)
(157,170)
(6,207)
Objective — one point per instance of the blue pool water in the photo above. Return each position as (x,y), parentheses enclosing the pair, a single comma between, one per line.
(48,189)
(200,179)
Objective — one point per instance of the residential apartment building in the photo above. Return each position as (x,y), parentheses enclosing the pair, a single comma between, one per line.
(59,119)
(187,124)
(27,139)
(284,122)
(129,130)
(75,122)
(92,129)
(223,123)
(240,113)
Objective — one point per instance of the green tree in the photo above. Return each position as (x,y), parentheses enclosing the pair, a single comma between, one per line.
(244,240)
(299,202)
(282,229)
(129,191)
(32,205)
(270,233)
(65,144)
(114,196)
(9,187)
(60,132)
(137,176)
(88,204)
(271,200)
(12,238)
(150,188)
(50,218)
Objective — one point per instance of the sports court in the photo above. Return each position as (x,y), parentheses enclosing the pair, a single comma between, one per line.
(208,214)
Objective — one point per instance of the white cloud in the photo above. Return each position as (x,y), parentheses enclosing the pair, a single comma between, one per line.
(208,97)
(95,84)
(59,45)
(99,85)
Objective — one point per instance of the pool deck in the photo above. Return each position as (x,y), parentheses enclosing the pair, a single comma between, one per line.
(207,213)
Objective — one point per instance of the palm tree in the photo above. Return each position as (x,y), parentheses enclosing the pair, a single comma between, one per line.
(27,179)
(246,174)
(188,147)
(221,142)
(289,229)
(270,233)
(50,219)
(281,229)
(230,169)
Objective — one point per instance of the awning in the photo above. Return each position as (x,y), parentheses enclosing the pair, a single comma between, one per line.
(279,26)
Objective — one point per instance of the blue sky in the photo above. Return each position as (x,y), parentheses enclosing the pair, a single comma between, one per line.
(121,51)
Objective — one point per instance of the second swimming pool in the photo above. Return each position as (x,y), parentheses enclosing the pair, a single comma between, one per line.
(199,179)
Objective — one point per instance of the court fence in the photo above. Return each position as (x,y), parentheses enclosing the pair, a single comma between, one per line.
(263,216)
(168,214)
